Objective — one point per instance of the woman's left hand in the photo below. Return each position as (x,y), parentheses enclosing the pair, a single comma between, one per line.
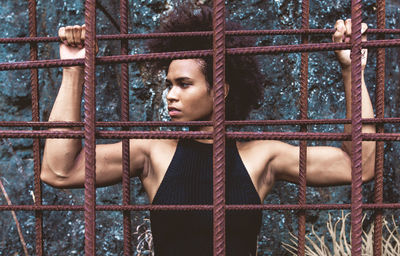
(343,34)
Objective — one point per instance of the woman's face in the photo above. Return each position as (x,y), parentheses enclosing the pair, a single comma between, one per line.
(189,98)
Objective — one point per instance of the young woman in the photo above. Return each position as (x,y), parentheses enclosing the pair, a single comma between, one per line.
(180,171)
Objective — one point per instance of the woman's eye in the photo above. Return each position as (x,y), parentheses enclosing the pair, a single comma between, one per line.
(184,85)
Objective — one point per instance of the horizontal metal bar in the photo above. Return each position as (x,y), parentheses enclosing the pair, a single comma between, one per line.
(194,34)
(104,124)
(311,136)
(314,47)
(103,207)
(380,136)
(106,134)
(40,134)
(200,135)
(388,120)
(312,206)
(271,207)
(196,54)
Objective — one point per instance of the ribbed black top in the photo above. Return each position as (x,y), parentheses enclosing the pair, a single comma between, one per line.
(188,180)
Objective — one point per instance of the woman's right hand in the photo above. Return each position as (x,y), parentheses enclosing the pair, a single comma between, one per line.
(343,34)
(73,42)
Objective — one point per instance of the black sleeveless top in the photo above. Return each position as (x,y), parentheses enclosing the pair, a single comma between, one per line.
(188,180)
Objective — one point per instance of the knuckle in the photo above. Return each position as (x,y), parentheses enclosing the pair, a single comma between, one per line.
(364,27)
(61,31)
(339,24)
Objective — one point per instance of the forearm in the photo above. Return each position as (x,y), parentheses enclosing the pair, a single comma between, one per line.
(368,147)
(59,154)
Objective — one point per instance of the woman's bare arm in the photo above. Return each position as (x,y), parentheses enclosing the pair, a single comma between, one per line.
(63,162)
(330,165)
(342,34)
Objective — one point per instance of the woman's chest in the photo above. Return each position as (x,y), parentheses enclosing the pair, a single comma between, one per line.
(191,166)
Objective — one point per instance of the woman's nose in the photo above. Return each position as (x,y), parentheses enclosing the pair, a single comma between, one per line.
(172,94)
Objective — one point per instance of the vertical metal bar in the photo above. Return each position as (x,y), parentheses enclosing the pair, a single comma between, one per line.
(305,14)
(90,128)
(219,127)
(35,118)
(380,110)
(125,117)
(356,183)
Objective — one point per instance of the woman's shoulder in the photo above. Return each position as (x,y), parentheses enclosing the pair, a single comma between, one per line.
(151,146)
(158,146)
(255,144)
(259,147)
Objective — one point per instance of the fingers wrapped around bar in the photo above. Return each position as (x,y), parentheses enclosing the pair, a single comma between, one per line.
(73,35)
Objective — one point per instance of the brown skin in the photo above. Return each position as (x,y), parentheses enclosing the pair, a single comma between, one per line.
(188,95)
(190,99)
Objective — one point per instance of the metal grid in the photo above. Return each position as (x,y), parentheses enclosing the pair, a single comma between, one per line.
(219,134)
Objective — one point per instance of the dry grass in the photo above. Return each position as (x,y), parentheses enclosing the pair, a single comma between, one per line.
(145,239)
(20,234)
(317,246)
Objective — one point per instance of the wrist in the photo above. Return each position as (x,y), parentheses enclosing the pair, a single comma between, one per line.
(346,70)
(73,76)
(73,71)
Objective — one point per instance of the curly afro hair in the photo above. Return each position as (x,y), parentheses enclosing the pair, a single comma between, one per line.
(242,73)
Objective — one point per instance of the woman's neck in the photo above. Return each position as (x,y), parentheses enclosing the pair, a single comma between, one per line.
(204,129)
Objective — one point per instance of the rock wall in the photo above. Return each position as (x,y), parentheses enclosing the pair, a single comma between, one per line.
(64,231)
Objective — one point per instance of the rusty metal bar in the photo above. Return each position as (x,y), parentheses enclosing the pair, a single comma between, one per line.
(197,54)
(125,143)
(126,36)
(380,110)
(356,180)
(200,135)
(305,16)
(219,127)
(387,120)
(35,118)
(90,128)
(270,207)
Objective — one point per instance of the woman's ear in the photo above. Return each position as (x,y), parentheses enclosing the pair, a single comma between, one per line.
(226,89)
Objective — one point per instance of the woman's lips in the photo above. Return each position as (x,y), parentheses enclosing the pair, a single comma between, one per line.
(174,112)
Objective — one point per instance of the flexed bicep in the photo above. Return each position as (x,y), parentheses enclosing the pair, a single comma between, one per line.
(108,166)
